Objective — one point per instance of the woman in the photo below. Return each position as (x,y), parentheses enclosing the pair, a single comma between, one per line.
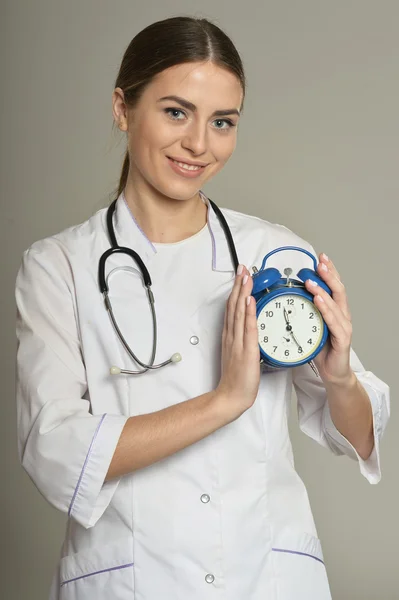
(179,483)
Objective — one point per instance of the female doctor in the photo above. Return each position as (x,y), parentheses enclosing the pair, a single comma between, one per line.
(178,482)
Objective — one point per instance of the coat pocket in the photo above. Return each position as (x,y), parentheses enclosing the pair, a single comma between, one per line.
(99,573)
(299,567)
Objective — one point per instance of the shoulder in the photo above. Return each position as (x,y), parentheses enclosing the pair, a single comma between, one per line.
(259,229)
(72,239)
(55,254)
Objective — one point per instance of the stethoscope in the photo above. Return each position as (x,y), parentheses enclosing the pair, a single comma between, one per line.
(104,288)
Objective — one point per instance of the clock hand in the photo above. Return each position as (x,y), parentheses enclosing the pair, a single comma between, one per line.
(289,329)
(311,363)
(295,340)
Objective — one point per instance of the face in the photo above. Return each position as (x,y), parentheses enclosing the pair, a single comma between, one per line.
(188,114)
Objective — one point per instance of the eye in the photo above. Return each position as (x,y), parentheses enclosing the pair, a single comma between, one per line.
(171,112)
(176,115)
(229,124)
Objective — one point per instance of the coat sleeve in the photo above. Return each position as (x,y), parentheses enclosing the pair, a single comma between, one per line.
(65,449)
(315,418)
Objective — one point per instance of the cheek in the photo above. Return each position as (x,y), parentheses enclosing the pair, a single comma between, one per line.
(147,137)
(222,149)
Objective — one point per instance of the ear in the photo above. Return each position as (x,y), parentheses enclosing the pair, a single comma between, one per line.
(119,109)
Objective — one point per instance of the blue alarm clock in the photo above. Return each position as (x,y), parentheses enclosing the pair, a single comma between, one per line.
(291,329)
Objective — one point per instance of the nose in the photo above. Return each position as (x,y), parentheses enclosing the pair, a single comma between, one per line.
(195,138)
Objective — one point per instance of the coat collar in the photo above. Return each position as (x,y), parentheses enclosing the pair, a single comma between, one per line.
(129,234)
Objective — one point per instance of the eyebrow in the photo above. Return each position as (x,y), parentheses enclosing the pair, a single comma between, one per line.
(193,108)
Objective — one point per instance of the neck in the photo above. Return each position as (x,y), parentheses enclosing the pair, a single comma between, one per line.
(165,220)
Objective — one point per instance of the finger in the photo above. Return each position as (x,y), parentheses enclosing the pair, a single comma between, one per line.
(336,321)
(232,301)
(331,278)
(224,328)
(251,340)
(327,268)
(340,335)
(240,312)
(323,258)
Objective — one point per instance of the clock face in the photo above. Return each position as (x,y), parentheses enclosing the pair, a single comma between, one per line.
(290,328)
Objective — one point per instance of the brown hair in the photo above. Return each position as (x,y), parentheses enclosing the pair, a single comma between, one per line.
(167,43)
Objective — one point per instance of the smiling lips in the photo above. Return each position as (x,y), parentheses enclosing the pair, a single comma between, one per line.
(186,169)
(187,166)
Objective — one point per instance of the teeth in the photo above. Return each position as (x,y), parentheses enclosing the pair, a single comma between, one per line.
(187,167)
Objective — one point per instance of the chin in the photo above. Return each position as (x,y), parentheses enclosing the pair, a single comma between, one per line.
(180,192)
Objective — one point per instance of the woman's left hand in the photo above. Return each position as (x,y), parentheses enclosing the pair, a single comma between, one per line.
(333,362)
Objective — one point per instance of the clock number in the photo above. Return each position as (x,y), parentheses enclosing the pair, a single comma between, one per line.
(290,301)
(310,341)
(287,352)
(274,348)
(314,328)
(303,306)
(262,326)
(265,339)
(278,304)
(269,313)
(311,315)
(300,351)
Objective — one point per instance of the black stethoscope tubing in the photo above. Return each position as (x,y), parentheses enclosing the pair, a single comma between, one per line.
(115,248)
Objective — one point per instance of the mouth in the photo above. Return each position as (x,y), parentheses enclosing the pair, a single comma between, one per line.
(186,169)
(188,164)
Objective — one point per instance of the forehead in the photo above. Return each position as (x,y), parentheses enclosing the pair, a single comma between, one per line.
(202,82)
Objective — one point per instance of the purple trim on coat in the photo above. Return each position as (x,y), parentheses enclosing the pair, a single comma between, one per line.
(296,552)
(85,464)
(96,573)
(137,225)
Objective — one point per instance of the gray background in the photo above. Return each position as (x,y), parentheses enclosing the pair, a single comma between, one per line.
(317,151)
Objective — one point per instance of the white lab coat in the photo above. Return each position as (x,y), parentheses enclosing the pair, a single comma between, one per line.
(226,518)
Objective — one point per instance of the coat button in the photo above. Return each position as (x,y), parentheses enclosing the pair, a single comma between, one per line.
(205,498)
(209,578)
(194,340)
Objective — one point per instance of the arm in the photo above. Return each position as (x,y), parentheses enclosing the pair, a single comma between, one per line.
(315,418)
(352,414)
(148,438)
(74,457)
(347,408)
(64,448)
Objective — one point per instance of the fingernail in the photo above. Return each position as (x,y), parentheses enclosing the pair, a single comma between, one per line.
(248,300)
(244,279)
(320,298)
(323,267)
(325,256)
(312,283)
(240,269)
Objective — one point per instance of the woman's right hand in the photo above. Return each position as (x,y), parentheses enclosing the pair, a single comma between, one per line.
(239,382)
